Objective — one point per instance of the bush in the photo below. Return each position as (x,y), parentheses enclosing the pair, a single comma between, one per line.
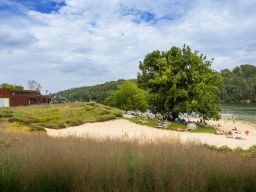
(103,118)
(251,152)
(15,119)
(37,128)
(74,122)
(2,115)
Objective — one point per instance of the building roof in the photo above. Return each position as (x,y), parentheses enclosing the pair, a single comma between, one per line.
(10,91)
(31,91)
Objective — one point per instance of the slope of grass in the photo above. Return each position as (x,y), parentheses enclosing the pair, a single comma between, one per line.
(35,162)
(36,118)
(172,125)
(250,153)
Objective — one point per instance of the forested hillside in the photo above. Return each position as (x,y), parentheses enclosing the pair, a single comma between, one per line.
(238,84)
(96,93)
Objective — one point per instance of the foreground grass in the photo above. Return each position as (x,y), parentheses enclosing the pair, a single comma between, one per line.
(172,125)
(39,163)
(36,118)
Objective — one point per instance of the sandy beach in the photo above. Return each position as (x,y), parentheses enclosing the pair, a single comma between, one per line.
(229,124)
(123,129)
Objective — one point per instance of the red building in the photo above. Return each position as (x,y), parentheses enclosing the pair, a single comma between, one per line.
(10,98)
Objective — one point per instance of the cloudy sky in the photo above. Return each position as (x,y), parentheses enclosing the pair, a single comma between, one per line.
(72,43)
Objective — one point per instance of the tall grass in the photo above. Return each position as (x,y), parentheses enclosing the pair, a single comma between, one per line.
(40,163)
(36,118)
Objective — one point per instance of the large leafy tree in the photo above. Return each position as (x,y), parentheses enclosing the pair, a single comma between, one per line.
(180,81)
(128,97)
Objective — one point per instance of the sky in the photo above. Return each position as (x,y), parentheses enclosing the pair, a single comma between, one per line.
(71,43)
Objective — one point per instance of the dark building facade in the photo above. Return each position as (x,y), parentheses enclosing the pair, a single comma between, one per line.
(11,98)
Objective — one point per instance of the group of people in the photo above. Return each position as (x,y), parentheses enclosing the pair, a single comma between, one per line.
(161,121)
(233,133)
(165,124)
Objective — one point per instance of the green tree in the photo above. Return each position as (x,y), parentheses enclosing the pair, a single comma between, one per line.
(238,84)
(11,86)
(97,93)
(128,97)
(180,81)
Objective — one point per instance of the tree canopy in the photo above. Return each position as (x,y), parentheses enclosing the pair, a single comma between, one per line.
(97,93)
(11,86)
(128,97)
(238,84)
(180,81)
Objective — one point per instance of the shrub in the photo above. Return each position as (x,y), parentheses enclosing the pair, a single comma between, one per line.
(37,128)
(15,119)
(2,115)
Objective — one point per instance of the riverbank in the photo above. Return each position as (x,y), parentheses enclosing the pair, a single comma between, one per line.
(241,112)
(229,124)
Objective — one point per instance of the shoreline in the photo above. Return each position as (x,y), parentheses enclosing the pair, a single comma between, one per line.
(229,124)
(126,130)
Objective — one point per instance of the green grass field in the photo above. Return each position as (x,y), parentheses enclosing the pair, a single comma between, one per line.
(36,118)
(172,125)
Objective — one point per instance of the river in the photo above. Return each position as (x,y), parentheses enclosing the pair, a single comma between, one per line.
(245,112)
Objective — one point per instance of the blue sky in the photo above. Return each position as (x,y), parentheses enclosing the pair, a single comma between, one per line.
(42,6)
(71,43)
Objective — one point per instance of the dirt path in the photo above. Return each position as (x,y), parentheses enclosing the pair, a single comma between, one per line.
(127,130)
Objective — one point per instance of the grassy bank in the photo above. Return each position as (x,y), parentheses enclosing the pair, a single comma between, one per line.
(36,118)
(40,163)
(249,153)
(172,125)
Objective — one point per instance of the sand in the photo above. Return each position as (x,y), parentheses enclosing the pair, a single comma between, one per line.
(124,129)
(229,124)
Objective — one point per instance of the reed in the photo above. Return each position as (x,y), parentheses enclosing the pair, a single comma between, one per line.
(36,162)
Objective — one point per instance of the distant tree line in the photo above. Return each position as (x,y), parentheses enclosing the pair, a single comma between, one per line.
(96,93)
(11,86)
(32,85)
(238,84)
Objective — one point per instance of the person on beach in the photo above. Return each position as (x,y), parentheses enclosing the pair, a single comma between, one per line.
(246,132)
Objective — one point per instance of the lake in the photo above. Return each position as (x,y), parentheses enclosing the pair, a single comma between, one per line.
(245,112)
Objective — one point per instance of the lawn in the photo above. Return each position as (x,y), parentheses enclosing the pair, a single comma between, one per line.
(172,125)
(35,118)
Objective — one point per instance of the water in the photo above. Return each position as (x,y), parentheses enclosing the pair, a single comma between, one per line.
(246,112)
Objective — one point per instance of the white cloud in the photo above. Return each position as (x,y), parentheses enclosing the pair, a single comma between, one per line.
(88,42)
